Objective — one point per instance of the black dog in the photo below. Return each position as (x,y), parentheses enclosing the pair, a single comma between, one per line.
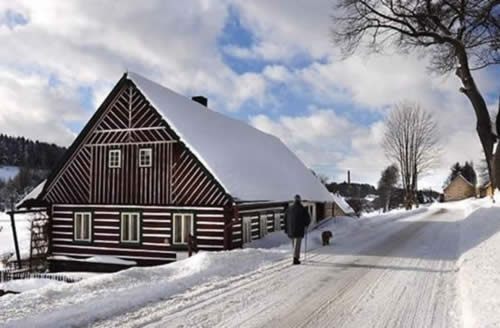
(325,237)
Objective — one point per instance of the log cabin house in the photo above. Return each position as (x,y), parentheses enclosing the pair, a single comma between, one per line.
(152,167)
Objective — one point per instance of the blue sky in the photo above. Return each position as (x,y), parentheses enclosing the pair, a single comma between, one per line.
(269,63)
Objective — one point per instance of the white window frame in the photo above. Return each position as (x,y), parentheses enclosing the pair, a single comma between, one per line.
(183,216)
(148,151)
(263,225)
(111,163)
(123,221)
(277,221)
(83,216)
(246,229)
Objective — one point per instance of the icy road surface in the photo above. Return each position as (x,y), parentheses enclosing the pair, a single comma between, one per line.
(398,274)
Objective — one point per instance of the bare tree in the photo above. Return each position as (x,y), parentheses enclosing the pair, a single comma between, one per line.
(459,35)
(411,140)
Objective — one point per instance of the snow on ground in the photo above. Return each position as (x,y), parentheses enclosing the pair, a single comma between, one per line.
(25,285)
(376,274)
(109,295)
(479,275)
(96,259)
(6,239)
(8,172)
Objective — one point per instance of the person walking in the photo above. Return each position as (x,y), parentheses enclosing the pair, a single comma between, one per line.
(296,221)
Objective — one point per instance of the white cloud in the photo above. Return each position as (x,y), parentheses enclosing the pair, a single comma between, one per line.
(320,138)
(34,109)
(278,73)
(91,43)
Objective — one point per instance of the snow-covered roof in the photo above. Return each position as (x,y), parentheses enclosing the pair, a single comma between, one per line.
(341,202)
(33,194)
(457,177)
(248,163)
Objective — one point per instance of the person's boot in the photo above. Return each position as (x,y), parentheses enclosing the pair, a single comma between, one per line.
(296,261)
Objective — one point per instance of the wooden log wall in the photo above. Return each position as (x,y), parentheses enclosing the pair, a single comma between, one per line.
(255,211)
(156,245)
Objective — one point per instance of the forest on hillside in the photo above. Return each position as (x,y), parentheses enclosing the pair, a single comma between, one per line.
(22,152)
(33,158)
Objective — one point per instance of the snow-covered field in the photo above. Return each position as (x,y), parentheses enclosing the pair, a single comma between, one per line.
(433,267)
(8,172)
(6,239)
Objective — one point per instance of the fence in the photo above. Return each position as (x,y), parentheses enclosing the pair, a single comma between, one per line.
(17,275)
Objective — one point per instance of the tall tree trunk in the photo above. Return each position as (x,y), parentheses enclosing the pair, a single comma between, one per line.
(483,124)
(387,200)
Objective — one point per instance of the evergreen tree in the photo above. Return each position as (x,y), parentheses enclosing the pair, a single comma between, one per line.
(386,184)
(467,171)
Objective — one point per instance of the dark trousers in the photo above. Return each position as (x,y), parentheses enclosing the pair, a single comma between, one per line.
(296,247)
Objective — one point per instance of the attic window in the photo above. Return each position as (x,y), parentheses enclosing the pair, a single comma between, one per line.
(145,157)
(114,160)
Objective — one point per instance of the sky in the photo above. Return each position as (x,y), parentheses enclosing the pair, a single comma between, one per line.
(271,64)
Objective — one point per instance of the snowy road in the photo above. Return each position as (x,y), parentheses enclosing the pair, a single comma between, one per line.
(399,274)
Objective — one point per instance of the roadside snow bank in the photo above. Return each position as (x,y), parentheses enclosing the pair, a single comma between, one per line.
(479,269)
(24,285)
(95,298)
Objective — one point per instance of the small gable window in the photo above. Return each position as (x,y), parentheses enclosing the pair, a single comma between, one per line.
(114,159)
(82,226)
(145,157)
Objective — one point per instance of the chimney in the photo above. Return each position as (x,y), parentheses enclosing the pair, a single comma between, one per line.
(348,177)
(201,100)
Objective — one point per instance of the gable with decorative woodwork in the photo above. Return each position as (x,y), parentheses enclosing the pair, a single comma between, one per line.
(127,154)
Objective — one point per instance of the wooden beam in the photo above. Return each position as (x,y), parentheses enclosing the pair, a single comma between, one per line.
(132,143)
(14,234)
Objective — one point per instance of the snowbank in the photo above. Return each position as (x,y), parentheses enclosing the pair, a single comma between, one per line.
(24,285)
(82,303)
(479,270)
(96,259)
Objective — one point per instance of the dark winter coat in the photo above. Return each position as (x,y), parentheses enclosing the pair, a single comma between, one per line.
(296,220)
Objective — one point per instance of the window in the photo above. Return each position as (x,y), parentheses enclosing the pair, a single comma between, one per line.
(145,157)
(183,227)
(130,228)
(114,160)
(82,227)
(277,221)
(247,229)
(263,225)
(311,209)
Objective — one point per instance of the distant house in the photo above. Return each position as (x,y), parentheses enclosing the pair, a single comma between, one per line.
(486,190)
(459,188)
(340,207)
(153,170)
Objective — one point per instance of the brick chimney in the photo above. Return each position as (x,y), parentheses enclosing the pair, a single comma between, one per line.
(201,100)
